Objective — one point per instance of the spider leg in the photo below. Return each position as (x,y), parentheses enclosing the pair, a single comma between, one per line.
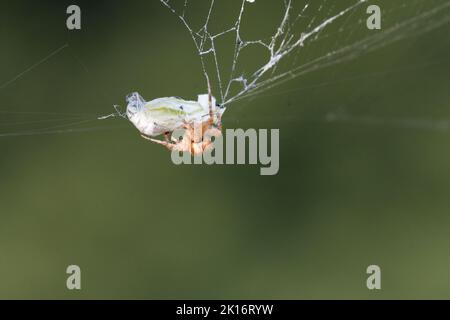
(210,106)
(166,144)
(146,137)
(219,121)
(198,131)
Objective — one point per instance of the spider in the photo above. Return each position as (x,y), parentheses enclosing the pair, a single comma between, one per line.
(194,139)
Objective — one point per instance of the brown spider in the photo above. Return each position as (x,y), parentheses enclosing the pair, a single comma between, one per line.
(196,139)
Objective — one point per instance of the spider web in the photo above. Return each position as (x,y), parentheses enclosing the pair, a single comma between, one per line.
(307,36)
(248,47)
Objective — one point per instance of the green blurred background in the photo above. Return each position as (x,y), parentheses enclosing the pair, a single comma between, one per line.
(364,174)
